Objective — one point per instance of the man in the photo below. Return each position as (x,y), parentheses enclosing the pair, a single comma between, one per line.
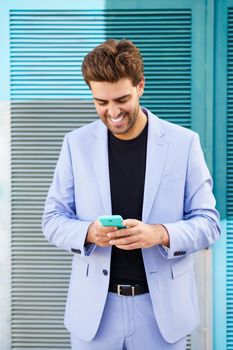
(131,288)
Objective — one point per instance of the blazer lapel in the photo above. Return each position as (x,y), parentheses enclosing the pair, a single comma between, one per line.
(100,160)
(156,156)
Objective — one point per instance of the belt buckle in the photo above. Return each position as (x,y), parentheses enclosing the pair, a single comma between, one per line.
(125,285)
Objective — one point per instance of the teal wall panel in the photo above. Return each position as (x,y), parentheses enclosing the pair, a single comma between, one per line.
(219,171)
(223,252)
(229,198)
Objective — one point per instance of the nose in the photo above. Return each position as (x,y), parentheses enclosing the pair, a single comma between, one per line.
(113,110)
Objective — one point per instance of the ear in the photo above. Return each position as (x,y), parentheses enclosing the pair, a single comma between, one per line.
(140,87)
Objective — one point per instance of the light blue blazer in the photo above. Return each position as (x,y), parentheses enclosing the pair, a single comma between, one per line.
(178,194)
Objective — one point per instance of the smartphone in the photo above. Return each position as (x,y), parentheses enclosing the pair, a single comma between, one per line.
(111,220)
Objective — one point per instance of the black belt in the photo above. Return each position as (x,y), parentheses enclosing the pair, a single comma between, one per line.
(126,289)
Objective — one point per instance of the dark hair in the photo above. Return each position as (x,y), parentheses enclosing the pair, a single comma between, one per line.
(113,60)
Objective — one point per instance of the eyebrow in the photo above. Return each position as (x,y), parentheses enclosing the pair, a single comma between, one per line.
(115,99)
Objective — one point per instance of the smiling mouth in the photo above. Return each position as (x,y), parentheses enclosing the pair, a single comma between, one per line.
(118,119)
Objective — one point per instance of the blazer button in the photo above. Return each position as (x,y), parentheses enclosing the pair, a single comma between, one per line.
(105,272)
(77,251)
(179,253)
(176,254)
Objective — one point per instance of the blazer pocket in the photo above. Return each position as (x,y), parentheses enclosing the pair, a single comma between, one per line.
(184,265)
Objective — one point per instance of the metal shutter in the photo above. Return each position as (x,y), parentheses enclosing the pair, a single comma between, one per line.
(164,38)
(49,98)
(229,283)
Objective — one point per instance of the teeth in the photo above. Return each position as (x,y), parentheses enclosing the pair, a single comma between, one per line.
(116,120)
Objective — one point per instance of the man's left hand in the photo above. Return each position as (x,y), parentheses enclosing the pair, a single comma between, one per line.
(139,235)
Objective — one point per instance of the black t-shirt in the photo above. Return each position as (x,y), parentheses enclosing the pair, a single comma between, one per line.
(127,165)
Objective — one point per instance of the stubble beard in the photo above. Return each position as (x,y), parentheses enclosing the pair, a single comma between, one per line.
(132,118)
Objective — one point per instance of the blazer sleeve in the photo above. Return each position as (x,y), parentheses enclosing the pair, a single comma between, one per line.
(60,224)
(200,225)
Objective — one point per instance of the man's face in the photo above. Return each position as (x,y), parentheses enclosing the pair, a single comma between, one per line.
(117,105)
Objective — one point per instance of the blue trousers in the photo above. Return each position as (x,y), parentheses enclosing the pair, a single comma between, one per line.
(128,323)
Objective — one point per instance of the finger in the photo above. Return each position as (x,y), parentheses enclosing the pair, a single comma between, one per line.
(130,246)
(101,242)
(124,240)
(102,238)
(102,235)
(130,222)
(105,230)
(123,232)
(119,233)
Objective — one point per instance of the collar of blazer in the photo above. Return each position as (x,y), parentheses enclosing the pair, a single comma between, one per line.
(156,156)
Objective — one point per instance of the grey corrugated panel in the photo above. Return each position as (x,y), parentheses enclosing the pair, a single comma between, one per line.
(189,344)
(49,98)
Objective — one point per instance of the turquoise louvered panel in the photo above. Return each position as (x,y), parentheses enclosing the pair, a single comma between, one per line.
(49,98)
(47,51)
(230,182)
(164,38)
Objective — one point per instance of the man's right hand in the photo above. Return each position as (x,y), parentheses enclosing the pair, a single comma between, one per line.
(97,234)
